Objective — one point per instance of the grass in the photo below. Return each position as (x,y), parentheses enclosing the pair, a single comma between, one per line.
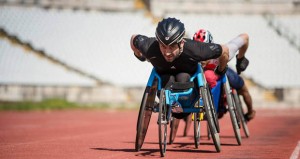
(57,104)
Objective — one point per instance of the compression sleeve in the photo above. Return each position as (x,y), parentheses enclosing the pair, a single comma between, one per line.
(200,51)
(234,45)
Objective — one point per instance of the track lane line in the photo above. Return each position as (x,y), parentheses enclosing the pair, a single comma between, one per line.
(296,152)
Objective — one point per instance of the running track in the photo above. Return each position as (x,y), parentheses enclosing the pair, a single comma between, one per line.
(95,134)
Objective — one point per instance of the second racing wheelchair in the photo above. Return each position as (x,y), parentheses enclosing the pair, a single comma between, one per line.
(226,98)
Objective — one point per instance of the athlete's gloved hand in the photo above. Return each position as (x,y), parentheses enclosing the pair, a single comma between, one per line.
(142,58)
(241,64)
(220,73)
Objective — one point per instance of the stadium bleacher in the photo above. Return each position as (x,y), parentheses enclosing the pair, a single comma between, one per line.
(272,58)
(17,67)
(97,42)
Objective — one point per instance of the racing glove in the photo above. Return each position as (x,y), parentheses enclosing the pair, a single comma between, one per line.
(142,58)
(220,73)
(241,64)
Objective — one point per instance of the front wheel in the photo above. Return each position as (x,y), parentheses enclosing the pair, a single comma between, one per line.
(144,118)
(162,123)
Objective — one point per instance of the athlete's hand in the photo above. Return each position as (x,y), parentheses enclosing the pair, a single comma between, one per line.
(241,64)
(141,58)
(220,73)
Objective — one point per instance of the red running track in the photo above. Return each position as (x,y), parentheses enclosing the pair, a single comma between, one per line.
(95,134)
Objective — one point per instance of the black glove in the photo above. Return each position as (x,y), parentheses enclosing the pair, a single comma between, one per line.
(142,58)
(220,73)
(241,64)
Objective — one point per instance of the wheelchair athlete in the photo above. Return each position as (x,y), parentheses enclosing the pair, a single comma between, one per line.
(176,58)
(240,43)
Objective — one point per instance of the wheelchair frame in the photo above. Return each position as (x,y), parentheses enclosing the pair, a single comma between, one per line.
(167,97)
(224,87)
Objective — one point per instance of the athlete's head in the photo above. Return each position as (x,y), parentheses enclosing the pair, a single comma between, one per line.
(203,35)
(169,33)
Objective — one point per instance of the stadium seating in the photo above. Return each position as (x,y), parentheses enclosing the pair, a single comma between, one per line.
(98,42)
(273,61)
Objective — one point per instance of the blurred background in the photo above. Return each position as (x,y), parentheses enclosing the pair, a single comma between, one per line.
(78,50)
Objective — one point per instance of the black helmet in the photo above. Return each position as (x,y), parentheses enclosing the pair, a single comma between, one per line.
(169,30)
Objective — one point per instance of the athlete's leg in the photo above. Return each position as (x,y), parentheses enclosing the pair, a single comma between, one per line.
(237,82)
(167,79)
(248,101)
(188,123)
(211,78)
(183,77)
(180,77)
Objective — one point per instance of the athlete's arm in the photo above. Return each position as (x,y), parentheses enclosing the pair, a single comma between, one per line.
(239,43)
(223,59)
(133,45)
(243,49)
(205,51)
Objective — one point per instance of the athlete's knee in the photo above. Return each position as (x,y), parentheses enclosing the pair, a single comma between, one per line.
(183,77)
(167,79)
(242,90)
(211,78)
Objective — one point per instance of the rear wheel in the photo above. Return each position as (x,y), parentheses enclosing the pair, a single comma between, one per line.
(213,108)
(240,113)
(196,129)
(233,115)
(144,117)
(210,118)
(162,123)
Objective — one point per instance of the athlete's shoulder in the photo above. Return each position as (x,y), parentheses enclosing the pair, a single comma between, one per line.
(202,51)
(190,42)
(142,39)
(191,47)
(143,43)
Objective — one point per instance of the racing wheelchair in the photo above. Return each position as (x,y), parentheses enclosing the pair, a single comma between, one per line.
(234,106)
(233,103)
(193,99)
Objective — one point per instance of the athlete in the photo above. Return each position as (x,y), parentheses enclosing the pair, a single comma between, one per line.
(176,58)
(240,43)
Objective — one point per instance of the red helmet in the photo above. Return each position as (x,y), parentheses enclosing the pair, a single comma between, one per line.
(203,35)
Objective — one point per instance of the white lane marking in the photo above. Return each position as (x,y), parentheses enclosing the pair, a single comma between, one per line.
(296,152)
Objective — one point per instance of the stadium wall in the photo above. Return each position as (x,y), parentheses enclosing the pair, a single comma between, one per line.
(78,94)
